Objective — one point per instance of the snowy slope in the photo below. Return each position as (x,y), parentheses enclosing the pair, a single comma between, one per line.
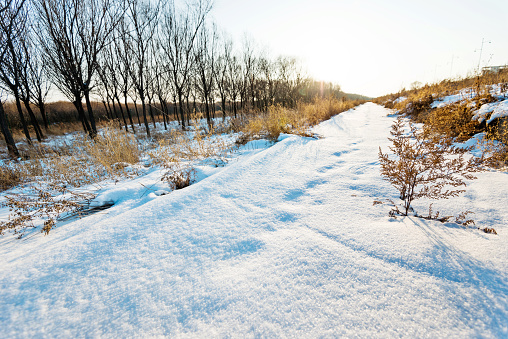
(283,243)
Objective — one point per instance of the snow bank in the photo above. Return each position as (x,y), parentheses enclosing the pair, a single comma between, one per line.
(399,99)
(284,242)
(496,110)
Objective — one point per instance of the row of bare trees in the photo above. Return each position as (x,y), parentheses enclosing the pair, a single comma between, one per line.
(171,60)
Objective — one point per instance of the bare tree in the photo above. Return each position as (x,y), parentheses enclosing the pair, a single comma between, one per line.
(250,68)
(268,81)
(72,34)
(234,81)
(137,35)
(179,32)
(37,82)
(5,20)
(13,28)
(205,59)
(221,71)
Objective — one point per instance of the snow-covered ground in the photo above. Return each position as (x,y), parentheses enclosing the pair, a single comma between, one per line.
(283,242)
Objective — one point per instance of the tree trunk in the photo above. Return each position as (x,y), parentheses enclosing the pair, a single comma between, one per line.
(137,112)
(93,131)
(164,108)
(121,112)
(129,112)
(9,140)
(182,116)
(223,99)
(106,109)
(145,120)
(207,112)
(117,118)
(81,115)
(150,110)
(22,118)
(42,111)
(33,119)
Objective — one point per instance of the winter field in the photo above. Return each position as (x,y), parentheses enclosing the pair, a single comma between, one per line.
(283,241)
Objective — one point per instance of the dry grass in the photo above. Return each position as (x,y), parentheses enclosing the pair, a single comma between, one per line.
(112,149)
(279,119)
(448,86)
(9,177)
(198,145)
(82,162)
(454,121)
(417,105)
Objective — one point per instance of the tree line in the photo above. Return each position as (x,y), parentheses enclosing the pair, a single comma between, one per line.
(165,59)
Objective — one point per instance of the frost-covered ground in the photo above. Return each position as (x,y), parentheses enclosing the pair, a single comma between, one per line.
(282,242)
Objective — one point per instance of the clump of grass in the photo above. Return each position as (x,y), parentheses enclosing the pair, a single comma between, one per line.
(179,175)
(84,161)
(417,106)
(112,149)
(278,119)
(9,177)
(271,124)
(454,121)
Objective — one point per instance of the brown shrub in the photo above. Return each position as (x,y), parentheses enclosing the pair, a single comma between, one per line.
(454,121)
(9,177)
(179,175)
(417,106)
(423,165)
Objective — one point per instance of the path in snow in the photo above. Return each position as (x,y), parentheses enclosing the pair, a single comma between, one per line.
(284,243)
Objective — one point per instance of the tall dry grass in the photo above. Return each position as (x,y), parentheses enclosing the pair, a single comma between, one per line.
(279,119)
(80,162)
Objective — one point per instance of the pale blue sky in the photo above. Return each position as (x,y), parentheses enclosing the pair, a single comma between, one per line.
(374,47)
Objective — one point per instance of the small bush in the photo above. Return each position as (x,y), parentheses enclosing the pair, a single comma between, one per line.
(46,202)
(454,121)
(9,177)
(417,106)
(424,165)
(179,176)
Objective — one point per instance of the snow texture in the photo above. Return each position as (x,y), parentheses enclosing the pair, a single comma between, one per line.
(462,95)
(496,110)
(283,242)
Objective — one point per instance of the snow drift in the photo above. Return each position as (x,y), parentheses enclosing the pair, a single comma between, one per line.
(283,242)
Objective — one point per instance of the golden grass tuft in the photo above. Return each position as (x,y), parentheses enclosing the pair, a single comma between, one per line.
(111,149)
(297,121)
(9,177)
(454,121)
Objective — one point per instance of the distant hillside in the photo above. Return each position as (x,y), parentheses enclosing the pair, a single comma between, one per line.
(352,96)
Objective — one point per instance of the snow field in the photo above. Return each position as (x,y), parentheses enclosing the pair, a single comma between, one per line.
(284,242)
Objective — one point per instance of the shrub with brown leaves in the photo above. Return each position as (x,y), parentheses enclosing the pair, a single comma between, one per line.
(179,176)
(423,165)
